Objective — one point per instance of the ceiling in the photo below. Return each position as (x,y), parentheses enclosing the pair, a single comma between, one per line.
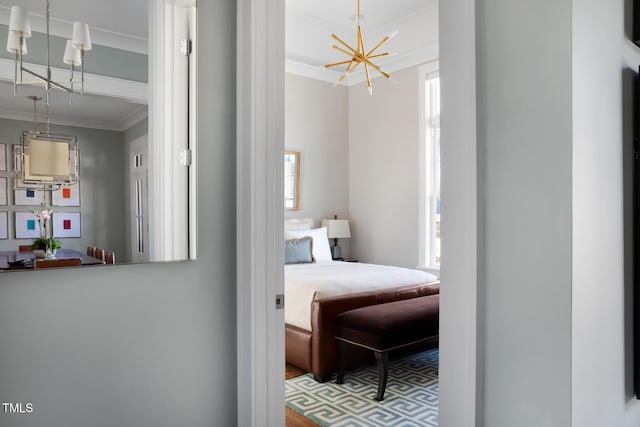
(121,20)
(309,25)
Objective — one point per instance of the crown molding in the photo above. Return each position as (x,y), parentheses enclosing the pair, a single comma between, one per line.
(134,118)
(64,29)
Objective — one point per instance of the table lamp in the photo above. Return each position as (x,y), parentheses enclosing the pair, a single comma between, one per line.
(336,229)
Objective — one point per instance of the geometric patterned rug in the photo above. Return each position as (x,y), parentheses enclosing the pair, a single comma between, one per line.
(410,399)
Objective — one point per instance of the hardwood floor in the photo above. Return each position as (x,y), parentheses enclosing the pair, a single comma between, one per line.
(294,419)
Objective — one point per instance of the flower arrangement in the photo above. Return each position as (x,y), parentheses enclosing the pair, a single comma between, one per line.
(46,241)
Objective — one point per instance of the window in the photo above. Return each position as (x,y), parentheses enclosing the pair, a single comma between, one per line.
(430,247)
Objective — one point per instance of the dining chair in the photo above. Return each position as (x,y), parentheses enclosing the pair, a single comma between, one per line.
(25,248)
(56,263)
(109,257)
(91,250)
(99,253)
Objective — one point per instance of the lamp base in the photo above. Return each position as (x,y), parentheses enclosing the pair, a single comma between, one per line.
(336,252)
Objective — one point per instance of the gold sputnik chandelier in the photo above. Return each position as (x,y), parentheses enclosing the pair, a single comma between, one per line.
(360,55)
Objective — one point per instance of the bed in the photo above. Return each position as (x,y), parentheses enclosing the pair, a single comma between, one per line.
(317,289)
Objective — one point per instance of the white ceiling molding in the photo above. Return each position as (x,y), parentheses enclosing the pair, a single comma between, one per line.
(99,36)
(65,121)
(134,117)
(126,90)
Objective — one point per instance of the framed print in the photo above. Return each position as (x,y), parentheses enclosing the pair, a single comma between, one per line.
(67,195)
(27,226)
(3,191)
(66,224)
(4,225)
(28,197)
(3,157)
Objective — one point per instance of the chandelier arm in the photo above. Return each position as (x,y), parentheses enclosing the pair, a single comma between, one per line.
(378,55)
(335,64)
(355,56)
(360,41)
(355,52)
(366,70)
(44,79)
(383,41)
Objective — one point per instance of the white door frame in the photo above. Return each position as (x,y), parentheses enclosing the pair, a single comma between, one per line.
(260,216)
(260,212)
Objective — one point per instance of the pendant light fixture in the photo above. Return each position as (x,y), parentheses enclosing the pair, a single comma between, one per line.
(20,30)
(360,55)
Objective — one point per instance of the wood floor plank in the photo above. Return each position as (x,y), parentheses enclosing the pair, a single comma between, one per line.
(292,418)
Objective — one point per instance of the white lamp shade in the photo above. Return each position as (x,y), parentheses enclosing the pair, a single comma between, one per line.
(19,22)
(49,158)
(81,37)
(337,228)
(13,44)
(71,54)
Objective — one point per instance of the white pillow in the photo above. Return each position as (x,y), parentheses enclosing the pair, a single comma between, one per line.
(320,250)
(296,224)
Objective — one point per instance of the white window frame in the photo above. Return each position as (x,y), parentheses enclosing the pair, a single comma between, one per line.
(427,191)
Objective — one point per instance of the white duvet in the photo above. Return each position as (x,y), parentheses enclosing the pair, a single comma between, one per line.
(306,282)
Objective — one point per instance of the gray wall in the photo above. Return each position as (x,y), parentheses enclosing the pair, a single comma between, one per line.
(102,202)
(605,66)
(140,345)
(383,169)
(316,125)
(525,132)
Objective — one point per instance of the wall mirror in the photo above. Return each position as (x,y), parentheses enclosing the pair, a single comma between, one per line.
(292,180)
(134,124)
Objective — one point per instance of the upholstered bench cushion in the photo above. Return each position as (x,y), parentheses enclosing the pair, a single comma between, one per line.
(384,327)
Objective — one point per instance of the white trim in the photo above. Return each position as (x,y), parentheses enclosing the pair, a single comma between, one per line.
(462,326)
(127,90)
(134,118)
(64,29)
(260,213)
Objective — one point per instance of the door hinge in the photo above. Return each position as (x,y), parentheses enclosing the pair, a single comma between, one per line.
(185,47)
(279,301)
(185,157)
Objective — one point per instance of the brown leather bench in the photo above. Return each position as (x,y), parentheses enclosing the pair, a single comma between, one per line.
(386,327)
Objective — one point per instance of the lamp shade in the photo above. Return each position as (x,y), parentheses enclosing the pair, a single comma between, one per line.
(337,228)
(81,37)
(13,44)
(71,54)
(49,158)
(19,22)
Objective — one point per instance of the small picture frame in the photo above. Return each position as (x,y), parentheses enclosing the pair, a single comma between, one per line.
(28,197)
(66,224)
(67,195)
(4,225)
(3,191)
(27,226)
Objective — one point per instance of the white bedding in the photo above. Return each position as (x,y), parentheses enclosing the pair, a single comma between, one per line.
(306,282)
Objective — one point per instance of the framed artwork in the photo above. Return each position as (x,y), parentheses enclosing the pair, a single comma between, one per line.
(3,157)
(4,225)
(28,197)
(27,226)
(66,224)
(3,191)
(68,195)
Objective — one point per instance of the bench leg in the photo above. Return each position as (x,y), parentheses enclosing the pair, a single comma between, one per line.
(342,361)
(382,358)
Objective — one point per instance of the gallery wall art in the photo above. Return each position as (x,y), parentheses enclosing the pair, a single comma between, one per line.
(27,226)
(68,195)
(66,224)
